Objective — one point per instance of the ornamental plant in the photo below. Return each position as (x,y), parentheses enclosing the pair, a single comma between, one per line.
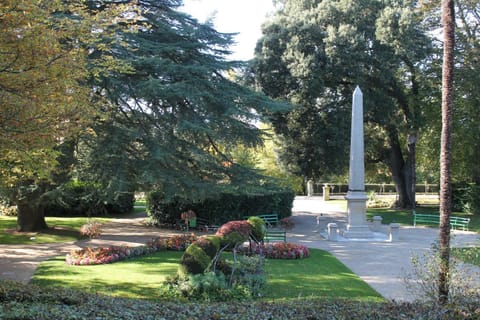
(280,250)
(91,229)
(103,255)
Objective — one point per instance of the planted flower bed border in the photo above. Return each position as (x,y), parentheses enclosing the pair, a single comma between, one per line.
(104,255)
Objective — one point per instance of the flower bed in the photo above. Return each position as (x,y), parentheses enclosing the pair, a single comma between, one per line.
(103,255)
(281,250)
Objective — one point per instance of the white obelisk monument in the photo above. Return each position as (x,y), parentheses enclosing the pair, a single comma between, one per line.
(357,227)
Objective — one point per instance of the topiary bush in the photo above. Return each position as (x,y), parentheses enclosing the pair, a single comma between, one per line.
(258,228)
(199,256)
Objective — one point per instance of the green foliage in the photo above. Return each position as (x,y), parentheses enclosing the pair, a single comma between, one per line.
(27,301)
(198,256)
(259,228)
(173,118)
(314,53)
(83,199)
(224,207)
(466,198)
(234,233)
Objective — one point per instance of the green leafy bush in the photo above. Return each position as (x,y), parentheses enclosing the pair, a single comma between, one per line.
(466,197)
(82,199)
(225,207)
(27,301)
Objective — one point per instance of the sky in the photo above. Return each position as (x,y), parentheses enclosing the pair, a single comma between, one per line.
(234,16)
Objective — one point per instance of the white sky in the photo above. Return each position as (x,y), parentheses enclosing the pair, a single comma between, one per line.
(244,17)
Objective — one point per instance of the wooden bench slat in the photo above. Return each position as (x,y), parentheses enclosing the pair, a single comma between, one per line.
(275,236)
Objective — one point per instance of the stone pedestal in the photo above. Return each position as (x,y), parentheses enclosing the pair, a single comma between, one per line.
(332,231)
(357,227)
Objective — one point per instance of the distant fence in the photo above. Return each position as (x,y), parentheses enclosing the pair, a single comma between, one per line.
(383,188)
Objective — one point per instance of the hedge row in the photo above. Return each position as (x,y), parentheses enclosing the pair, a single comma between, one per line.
(225,207)
(78,199)
(466,197)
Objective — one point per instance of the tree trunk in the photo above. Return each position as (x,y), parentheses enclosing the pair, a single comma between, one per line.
(448,18)
(30,218)
(401,173)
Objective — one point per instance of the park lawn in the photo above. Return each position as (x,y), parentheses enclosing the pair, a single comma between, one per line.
(319,276)
(60,230)
(405,217)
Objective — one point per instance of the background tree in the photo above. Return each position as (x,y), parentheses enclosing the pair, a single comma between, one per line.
(315,52)
(448,19)
(42,100)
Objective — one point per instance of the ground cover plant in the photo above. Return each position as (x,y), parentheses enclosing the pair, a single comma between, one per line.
(20,301)
(60,230)
(468,255)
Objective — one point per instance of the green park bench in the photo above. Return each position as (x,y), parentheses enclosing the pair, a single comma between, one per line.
(455,222)
(274,235)
(270,219)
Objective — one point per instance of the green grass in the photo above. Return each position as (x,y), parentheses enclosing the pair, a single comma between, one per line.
(136,278)
(405,216)
(319,276)
(61,230)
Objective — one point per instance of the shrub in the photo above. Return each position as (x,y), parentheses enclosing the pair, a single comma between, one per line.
(466,197)
(279,250)
(225,207)
(422,282)
(91,229)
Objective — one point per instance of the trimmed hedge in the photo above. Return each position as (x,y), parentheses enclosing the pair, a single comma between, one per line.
(81,199)
(226,207)
(466,197)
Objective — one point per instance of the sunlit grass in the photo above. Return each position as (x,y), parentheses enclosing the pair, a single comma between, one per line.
(319,276)
(136,278)
(60,230)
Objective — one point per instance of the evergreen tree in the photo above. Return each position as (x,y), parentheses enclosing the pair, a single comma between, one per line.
(173,112)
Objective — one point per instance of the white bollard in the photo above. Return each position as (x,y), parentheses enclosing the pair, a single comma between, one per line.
(332,231)
(377,224)
(394,231)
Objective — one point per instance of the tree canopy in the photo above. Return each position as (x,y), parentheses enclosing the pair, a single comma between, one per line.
(42,94)
(315,52)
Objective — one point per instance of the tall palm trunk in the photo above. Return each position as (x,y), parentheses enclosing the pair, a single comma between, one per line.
(448,17)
